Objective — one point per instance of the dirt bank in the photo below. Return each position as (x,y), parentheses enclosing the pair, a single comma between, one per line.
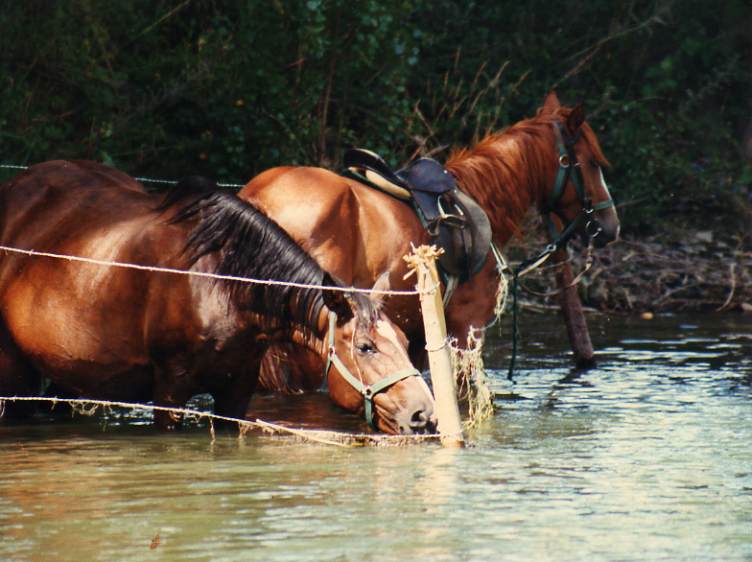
(697,271)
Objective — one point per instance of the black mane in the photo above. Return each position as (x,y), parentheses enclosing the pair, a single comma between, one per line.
(250,244)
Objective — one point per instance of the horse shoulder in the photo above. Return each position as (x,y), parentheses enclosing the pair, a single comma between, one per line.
(316,208)
(389,227)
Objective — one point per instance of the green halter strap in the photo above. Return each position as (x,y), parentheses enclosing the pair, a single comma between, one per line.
(367,391)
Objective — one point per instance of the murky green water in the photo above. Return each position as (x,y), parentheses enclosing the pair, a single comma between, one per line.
(648,456)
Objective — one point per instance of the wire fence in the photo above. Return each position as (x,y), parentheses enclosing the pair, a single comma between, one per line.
(321,436)
(139,178)
(89,406)
(206,274)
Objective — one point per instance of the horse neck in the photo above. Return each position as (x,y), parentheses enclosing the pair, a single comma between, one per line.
(507,174)
(226,314)
(305,337)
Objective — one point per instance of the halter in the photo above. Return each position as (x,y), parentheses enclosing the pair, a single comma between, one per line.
(369,391)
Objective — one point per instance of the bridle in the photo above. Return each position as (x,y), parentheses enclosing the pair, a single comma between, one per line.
(567,162)
(367,391)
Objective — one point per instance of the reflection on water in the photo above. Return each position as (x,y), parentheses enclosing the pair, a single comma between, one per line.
(647,456)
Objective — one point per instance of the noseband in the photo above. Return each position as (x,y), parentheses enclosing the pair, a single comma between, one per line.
(568,161)
(368,391)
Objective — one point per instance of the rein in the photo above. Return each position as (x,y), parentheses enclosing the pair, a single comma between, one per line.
(567,162)
(367,391)
(586,267)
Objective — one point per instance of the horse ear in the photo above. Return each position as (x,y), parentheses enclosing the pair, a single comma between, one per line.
(550,104)
(337,301)
(576,118)
(382,284)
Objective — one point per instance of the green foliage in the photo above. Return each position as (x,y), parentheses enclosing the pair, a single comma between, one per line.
(228,89)
(666,86)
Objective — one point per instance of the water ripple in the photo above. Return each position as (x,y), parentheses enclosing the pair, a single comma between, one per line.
(652,444)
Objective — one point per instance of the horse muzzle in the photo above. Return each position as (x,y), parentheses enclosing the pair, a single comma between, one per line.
(403,411)
(602,228)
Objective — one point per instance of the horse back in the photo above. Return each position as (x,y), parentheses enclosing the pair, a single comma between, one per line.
(97,315)
(353,231)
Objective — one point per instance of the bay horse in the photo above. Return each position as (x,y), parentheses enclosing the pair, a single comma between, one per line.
(118,333)
(356,232)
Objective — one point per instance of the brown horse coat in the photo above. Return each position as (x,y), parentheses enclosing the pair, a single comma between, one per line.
(126,334)
(356,232)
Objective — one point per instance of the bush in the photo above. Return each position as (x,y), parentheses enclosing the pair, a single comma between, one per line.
(228,89)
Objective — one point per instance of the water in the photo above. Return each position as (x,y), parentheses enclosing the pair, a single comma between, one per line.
(646,457)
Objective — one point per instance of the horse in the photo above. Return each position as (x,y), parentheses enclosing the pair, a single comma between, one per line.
(119,333)
(552,162)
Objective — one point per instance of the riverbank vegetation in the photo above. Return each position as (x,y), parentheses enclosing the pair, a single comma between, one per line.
(227,89)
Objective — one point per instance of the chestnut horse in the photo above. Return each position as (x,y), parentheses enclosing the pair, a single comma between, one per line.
(356,232)
(119,333)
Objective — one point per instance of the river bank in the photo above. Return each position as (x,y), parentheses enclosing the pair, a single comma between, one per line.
(701,271)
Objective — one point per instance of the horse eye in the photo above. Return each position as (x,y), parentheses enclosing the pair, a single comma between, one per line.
(366,347)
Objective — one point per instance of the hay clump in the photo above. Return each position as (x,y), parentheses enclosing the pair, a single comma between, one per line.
(473,384)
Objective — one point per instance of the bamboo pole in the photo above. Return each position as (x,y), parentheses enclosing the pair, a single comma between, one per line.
(571,309)
(423,263)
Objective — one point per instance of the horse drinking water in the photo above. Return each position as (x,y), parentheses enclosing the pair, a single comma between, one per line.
(552,162)
(119,333)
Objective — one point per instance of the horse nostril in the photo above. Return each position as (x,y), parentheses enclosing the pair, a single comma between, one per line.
(419,420)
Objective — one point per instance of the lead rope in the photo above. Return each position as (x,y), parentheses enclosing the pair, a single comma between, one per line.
(522,269)
(526,267)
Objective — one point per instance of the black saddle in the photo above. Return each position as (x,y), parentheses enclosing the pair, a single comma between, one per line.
(453,220)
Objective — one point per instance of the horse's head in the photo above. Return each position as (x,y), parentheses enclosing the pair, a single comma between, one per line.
(369,370)
(578,196)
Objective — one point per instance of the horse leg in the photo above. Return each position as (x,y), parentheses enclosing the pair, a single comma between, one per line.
(17,378)
(232,400)
(171,390)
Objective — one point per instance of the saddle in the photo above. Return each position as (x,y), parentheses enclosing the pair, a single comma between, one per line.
(453,220)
